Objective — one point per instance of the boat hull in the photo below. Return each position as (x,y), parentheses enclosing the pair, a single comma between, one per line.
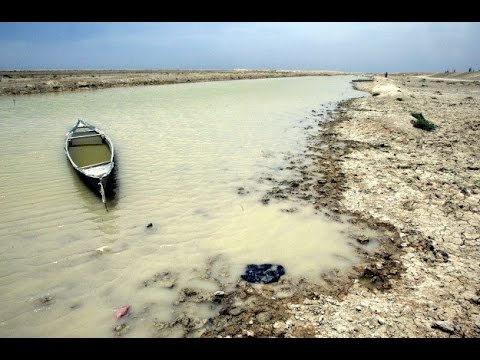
(93,158)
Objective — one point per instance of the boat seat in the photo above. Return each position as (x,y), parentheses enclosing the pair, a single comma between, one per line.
(93,165)
(85,136)
(86,140)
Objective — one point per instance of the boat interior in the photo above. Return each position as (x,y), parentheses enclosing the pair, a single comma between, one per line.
(88,148)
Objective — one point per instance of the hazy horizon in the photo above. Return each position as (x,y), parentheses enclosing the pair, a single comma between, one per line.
(350,47)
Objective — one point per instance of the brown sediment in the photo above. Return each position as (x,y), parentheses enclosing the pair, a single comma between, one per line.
(419,189)
(46,81)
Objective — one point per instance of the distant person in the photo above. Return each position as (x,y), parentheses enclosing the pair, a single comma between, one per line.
(386,74)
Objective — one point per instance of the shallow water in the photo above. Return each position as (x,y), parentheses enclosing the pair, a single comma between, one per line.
(182,151)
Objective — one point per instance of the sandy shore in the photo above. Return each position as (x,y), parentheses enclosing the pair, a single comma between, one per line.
(39,82)
(420,190)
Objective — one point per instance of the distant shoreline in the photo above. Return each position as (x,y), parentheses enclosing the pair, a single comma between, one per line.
(25,82)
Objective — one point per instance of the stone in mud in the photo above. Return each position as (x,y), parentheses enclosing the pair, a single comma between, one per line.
(149,225)
(444,326)
(279,329)
(377,278)
(263,317)
(236,311)
(363,240)
(190,292)
(264,273)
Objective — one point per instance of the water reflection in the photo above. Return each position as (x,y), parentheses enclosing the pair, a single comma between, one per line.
(106,221)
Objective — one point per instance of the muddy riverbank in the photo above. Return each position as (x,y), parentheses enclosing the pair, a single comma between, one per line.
(421,192)
(45,81)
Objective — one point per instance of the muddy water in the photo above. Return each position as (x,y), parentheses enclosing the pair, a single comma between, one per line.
(191,158)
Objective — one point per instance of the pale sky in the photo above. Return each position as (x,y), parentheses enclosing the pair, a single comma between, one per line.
(367,46)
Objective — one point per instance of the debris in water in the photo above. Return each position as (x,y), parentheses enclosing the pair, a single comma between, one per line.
(149,225)
(122,311)
(45,300)
(103,249)
(241,191)
(265,273)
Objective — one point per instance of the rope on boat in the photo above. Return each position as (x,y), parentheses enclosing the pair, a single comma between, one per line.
(102,192)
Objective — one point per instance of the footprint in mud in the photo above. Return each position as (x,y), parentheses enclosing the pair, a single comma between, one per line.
(164,279)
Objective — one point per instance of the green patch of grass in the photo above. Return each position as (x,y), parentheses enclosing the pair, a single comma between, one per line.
(422,123)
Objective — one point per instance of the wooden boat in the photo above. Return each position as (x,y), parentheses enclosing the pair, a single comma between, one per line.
(90,151)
